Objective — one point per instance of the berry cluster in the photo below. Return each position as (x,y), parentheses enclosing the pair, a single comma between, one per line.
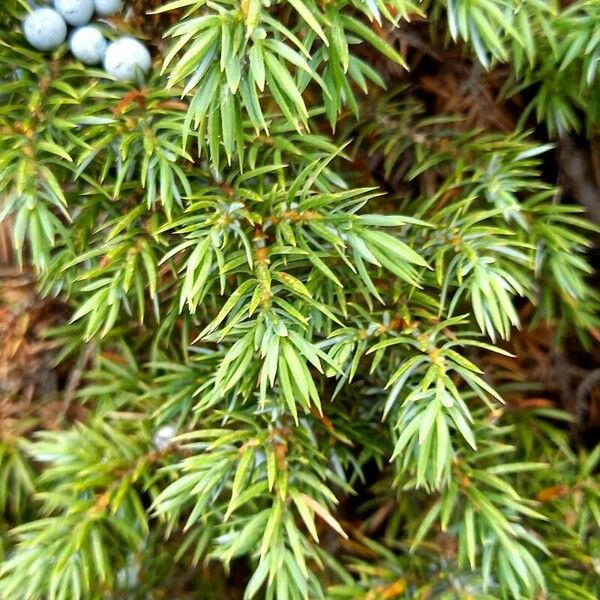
(46,29)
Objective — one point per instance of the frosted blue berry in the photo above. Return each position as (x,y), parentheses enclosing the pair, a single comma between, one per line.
(163,437)
(88,45)
(105,8)
(45,29)
(75,12)
(125,58)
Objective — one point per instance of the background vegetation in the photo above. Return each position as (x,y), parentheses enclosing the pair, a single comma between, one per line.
(315,314)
